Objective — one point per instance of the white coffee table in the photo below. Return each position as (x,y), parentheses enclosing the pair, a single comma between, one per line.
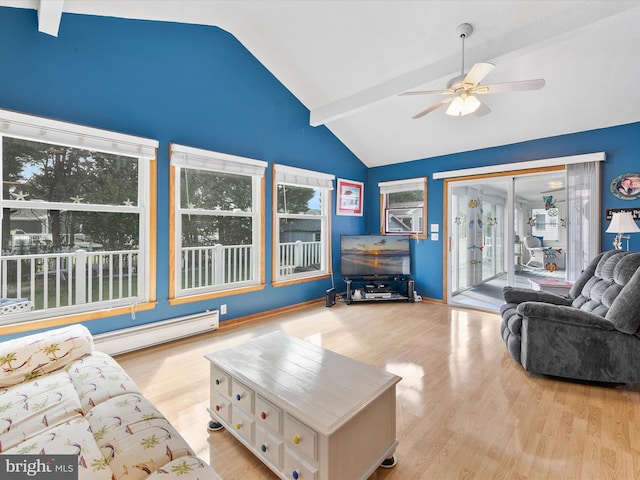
(306,412)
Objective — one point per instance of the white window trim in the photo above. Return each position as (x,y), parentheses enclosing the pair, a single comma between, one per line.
(302,178)
(198,159)
(46,130)
(299,177)
(504,167)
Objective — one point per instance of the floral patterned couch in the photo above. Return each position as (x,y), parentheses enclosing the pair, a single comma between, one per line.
(59,396)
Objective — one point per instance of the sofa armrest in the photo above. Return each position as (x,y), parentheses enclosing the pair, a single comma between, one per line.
(518,295)
(26,358)
(571,343)
(563,314)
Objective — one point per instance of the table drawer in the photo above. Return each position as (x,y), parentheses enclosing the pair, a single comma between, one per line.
(221,406)
(242,424)
(296,468)
(269,446)
(242,396)
(268,414)
(301,438)
(220,381)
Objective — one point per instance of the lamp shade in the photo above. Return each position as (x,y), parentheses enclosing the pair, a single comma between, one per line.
(462,105)
(622,222)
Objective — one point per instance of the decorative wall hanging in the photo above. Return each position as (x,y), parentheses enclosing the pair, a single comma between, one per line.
(350,197)
(549,202)
(626,186)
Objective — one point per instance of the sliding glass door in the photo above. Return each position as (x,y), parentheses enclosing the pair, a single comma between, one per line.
(477,239)
(504,230)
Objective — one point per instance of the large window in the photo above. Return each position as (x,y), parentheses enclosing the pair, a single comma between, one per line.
(75,218)
(302,204)
(217,217)
(404,206)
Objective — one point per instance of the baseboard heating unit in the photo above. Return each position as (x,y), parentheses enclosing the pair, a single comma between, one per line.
(135,338)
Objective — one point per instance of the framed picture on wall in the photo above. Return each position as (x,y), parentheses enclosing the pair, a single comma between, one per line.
(626,186)
(350,196)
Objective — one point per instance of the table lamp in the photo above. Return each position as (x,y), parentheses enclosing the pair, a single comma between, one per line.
(622,222)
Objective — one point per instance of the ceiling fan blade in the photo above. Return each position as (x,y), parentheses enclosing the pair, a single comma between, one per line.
(510,86)
(426,92)
(478,72)
(482,109)
(433,107)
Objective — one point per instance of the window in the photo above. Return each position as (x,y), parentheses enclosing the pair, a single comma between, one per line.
(75,218)
(403,206)
(217,202)
(303,209)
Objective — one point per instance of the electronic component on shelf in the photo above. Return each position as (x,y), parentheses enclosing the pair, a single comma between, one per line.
(376,288)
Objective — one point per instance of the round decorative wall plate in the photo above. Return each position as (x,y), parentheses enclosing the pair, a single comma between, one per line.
(626,186)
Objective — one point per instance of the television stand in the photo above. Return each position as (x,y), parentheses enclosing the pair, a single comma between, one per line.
(379,289)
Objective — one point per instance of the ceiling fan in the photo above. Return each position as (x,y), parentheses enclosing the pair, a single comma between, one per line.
(462,90)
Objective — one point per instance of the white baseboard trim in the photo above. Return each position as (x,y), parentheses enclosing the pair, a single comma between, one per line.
(134,338)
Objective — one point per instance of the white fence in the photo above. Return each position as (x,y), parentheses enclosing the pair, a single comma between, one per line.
(216,265)
(299,256)
(63,279)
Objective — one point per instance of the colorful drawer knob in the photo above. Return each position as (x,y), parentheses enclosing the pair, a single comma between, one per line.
(218,407)
(263,447)
(295,475)
(263,415)
(217,381)
(238,397)
(238,426)
(296,439)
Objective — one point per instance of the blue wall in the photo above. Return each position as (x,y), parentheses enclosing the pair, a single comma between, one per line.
(198,86)
(189,84)
(621,145)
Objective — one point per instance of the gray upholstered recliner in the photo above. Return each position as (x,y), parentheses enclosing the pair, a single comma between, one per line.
(593,334)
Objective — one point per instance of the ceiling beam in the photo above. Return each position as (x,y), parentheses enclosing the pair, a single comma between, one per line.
(517,42)
(49,16)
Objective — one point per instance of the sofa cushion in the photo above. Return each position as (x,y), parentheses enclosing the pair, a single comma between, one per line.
(30,408)
(624,311)
(99,377)
(70,438)
(134,437)
(601,290)
(25,358)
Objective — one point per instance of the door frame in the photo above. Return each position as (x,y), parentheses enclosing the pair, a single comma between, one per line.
(450,182)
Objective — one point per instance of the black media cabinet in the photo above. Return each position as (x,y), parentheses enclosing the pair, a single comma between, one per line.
(379,289)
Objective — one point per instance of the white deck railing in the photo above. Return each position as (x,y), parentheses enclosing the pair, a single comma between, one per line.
(63,279)
(299,255)
(57,280)
(216,265)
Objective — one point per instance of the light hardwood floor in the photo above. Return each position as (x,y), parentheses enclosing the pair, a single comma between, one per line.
(465,409)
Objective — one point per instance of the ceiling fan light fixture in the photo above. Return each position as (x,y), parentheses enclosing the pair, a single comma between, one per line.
(463,105)
(461,90)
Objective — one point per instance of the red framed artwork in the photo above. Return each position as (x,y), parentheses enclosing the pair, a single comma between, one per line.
(350,197)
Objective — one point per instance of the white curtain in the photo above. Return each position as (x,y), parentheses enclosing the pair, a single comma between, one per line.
(583,212)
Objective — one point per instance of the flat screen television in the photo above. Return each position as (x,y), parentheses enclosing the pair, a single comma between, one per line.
(375,255)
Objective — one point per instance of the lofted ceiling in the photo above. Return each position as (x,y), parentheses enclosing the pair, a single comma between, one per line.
(347,61)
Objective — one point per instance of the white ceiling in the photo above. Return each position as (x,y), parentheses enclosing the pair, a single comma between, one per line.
(347,60)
